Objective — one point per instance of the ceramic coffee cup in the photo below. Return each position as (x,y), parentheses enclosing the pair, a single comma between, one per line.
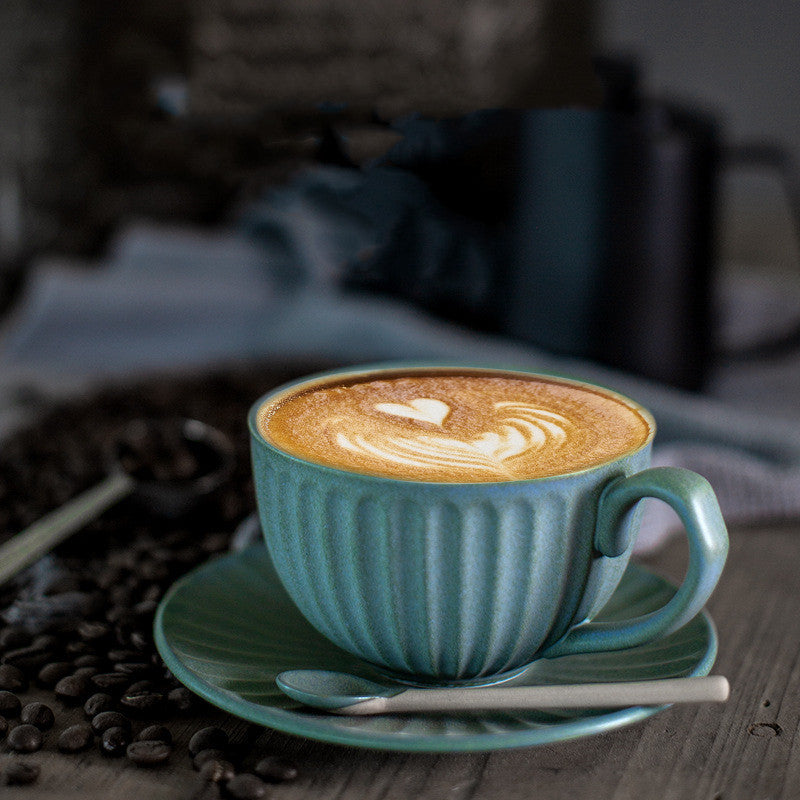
(453,580)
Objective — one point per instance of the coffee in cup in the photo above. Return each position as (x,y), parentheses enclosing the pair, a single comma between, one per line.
(453,524)
(450,427)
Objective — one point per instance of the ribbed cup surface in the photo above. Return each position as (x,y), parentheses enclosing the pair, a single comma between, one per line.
(444,581)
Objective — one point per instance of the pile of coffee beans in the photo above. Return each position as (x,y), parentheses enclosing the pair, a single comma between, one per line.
(157,450)
(78,667)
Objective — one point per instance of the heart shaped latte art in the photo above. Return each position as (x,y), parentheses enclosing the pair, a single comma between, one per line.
(424,409)
(519,428)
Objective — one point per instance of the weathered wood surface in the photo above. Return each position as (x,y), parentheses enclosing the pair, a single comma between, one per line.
(747,748)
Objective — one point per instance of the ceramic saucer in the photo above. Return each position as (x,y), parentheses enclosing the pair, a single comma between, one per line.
(228,628)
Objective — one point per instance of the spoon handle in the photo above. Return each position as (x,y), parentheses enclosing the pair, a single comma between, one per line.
(43,535)
(713,688)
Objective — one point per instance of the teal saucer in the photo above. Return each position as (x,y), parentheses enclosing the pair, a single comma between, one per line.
(228,628)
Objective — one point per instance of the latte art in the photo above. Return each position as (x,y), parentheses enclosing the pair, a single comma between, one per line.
(425,409)
(452,427)
(520,427)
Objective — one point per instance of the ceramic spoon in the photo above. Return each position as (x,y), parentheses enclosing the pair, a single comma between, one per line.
(340,693)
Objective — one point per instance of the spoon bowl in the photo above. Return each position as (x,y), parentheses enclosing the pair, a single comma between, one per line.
(321,688)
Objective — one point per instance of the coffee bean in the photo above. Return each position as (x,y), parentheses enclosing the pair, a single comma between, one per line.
(27,658)
(93,631)
(153,592)
(38,714)
(75,738)
(211,738)
(98,703)
(10,704)
(21,773)
(181,699)
(148,751)
(78,648)
(3,727)
(12,638)
(45,641)
(86,672)
(145,685)
(153,571)
(145,608)
(141,640)
(119,613)
(157,733)
(246,786)
(87,660)
(217,770)
(133,668)
(122,633)
(25,739)
(108,577)
(109,719)
(110,681)
(72,689)
(118,656)
(114,741)
(12,679)
(50,674)
(276,770)
(143,703)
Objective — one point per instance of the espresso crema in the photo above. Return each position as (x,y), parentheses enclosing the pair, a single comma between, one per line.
(454,427)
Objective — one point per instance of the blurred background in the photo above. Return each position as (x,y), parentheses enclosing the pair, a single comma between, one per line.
(601,188)
(607,180)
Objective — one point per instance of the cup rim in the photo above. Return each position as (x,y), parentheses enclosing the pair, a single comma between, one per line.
(401,367)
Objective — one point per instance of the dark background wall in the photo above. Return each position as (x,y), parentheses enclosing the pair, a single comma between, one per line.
(84,144)
(739,58)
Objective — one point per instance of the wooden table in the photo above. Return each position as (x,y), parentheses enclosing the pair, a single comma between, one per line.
(747,748)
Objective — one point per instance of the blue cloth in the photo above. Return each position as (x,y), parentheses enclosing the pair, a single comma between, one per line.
(171,299)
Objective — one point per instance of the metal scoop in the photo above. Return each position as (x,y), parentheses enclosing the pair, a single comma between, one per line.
(167,496)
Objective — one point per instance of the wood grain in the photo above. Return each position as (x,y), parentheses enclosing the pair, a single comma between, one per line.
(746,748)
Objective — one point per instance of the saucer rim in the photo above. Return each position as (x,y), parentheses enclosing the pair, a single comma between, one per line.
(316,725)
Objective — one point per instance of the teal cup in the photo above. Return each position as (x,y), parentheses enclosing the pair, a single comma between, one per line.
(470,582)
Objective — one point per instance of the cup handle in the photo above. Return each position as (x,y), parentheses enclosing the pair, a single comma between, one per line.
(693,499)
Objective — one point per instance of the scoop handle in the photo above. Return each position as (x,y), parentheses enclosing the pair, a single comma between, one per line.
(713,688)
(43,535)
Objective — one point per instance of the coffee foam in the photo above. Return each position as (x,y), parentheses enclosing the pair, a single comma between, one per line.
(455,427)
